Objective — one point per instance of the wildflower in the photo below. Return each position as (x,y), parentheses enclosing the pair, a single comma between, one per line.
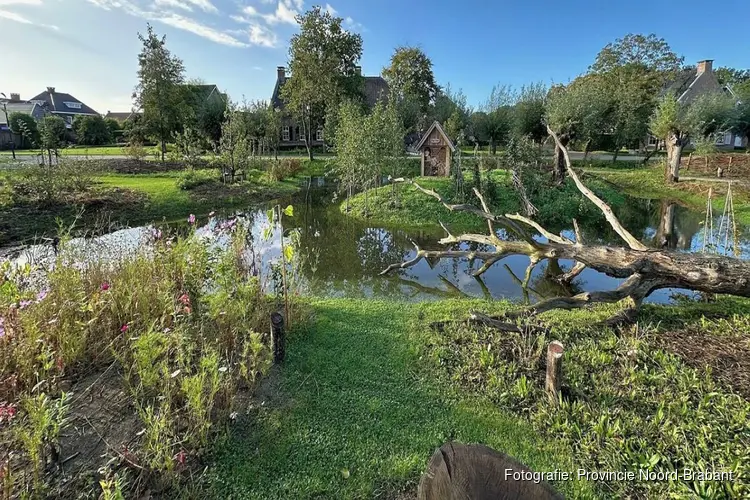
(124,328)
(2,327)
(7,411)
(191,219)
(156,233)
(25,303)
(233,415)
(181,457)
(104,287)
(184,299)
(42,295)
(212,214)
(187,309)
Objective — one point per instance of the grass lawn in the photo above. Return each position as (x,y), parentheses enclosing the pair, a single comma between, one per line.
(648,182)
(369,391)
(356,411)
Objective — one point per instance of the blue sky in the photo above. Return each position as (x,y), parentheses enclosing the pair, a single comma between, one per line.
(89,48)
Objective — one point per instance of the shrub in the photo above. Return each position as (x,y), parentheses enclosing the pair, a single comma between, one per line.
(279,170)
(135,150)
(191,179)
(57,184)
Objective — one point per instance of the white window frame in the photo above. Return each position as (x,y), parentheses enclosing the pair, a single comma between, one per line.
(285,134)
(72,105)
(319,135)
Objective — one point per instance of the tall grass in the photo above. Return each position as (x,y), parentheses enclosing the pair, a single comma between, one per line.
(179,318)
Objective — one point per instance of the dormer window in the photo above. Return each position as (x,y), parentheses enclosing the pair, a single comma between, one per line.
(72,105)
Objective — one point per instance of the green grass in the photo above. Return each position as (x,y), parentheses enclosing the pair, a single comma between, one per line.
(355,397)
(648,182)
(75,151)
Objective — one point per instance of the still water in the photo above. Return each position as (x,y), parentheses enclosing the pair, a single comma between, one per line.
(337,256)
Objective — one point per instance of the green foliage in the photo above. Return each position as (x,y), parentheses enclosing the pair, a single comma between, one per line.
(51,133)
(581,109)
(628,404)
(25,126)
(648,51)
(191,179)
(700,118)
(497,120)
(323,56)
(160,75)
(188,147)
(35,184)
(410,79)
(528,112)
(92,130)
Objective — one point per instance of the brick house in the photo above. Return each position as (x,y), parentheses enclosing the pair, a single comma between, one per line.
(691,83)
(375,88)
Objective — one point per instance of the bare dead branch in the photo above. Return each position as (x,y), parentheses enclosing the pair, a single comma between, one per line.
(579,236)
(631,240)
(550,236)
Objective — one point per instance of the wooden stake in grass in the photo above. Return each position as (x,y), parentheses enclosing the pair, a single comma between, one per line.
(554,369)
(278,337)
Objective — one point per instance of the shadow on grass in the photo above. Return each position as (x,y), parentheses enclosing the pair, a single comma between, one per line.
(357,414)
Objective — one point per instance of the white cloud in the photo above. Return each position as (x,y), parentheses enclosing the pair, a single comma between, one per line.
(330,9)
(260,35)
(286,12)
(174,3)
(187,24)
(5,3)
(353,25)
(171,18)
(12,16)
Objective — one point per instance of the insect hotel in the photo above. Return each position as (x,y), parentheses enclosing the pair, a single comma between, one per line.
(436,149)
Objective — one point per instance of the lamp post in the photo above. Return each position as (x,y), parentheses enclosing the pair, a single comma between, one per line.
(10,131)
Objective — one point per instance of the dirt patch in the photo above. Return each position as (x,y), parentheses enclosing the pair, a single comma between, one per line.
(728,357)
(103,425)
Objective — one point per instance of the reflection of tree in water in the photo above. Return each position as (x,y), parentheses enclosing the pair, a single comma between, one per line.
(676,226)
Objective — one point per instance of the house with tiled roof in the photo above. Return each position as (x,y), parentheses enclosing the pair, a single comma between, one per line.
(121,116)
(7,108)
(374,89)
(690,83)
(63,105)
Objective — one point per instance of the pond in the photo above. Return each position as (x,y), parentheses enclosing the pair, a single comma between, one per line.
(337,256)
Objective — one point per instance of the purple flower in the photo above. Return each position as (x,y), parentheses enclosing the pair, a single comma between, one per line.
(156,233)
(42,295)
(191,219)
(25,303)
(2,327)
(104,286)
(124,328)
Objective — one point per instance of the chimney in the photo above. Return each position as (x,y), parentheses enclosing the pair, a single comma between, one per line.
(15,97)
(705,66)
(280,73)
(358,70)
(51,90)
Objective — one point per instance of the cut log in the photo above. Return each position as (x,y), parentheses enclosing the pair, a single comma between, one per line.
(476,472)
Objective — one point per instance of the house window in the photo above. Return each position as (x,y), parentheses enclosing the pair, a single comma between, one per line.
(72,105)
(722,138)
(285,134)
(319,135)
(653,141)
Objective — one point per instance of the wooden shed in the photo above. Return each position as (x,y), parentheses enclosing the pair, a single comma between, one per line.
(437,150)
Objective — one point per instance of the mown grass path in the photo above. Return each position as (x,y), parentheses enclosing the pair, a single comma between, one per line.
(356,413)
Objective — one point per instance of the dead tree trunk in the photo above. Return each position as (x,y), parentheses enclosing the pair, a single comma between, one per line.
(558,172)
(643,269)
(675,144)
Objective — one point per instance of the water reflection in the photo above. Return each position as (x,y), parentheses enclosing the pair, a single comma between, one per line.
(337,256)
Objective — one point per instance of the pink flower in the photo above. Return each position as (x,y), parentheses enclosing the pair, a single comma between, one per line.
(7,411)
(25,303)
(187,309)
(184,299)
(104,287)
(156,233)
(181,457)
(41,295)
(191,219)
(124,328)
(2,327)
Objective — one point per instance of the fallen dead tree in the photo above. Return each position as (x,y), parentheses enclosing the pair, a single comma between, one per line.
(644,269)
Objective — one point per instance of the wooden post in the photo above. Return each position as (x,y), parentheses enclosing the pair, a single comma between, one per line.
(554,369)
(278,338)
(690,158)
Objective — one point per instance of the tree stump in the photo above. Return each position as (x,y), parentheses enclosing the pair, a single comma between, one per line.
(278,337)
(554,369)
(476,472)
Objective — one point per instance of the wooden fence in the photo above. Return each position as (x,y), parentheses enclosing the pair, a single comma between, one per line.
(733,166)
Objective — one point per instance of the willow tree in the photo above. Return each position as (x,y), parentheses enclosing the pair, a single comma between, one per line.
(677,122)
(643,269)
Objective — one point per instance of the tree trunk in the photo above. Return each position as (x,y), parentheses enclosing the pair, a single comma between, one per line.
(558,172)
(615,154)
(493,147)
(674,157)
(587,150)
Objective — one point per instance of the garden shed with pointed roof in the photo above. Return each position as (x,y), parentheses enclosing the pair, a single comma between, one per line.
(437,150)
